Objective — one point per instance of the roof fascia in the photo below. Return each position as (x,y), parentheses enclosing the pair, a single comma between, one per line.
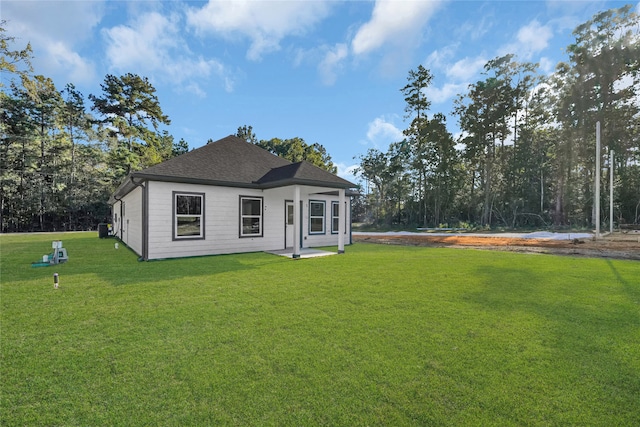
(187,180)
(272,184)
(297,181)
(128,185)
(125,188)
(347,193)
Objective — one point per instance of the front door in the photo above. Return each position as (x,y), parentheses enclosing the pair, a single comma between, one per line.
(288,225)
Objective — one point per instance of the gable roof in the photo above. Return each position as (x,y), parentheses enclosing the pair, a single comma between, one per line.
(233,162)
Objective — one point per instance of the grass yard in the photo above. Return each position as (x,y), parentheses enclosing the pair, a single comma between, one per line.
(383,335)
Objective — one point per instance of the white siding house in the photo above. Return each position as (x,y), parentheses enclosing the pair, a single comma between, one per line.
(231,196)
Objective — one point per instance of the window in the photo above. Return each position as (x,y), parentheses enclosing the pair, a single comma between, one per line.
(289,214)
(188,216)
(250,216)
(335,217)
(316,217)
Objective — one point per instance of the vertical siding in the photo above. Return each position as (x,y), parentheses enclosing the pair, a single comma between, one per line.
(115,219)
(132,220)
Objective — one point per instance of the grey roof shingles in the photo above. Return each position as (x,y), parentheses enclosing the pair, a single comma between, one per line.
(232,161)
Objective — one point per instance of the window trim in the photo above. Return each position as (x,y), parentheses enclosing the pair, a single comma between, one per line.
(288,203)
(335,217)
(324,217)
(241,217)
(174,218)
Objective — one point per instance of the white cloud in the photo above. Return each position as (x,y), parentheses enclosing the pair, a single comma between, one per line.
(265,23)
(195,89)
(530,40)
(446,92)
(329,60)
(66,21)
(146,41)
(466,68)
(332,62)
(55,29)
(78,69)
(381,133)
(547,65)
(477,28)
(347,171)
(535,37)
(152,44)
(393,22)
(439,59)
(458,74)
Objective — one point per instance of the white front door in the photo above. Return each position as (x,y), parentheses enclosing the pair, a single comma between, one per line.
(288,227)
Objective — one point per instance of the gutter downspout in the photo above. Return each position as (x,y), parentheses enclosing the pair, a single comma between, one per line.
(145,223)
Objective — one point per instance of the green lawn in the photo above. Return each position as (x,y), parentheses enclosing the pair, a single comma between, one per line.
(383,335)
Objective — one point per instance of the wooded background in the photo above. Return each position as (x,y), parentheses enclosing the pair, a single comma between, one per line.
(523,156)
(526,152)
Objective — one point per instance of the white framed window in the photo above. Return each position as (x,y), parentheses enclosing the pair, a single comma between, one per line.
(335,217)
(188,215)
(250,216)
(316,216)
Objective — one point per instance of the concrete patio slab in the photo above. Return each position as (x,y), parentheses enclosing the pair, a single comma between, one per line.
(304,253)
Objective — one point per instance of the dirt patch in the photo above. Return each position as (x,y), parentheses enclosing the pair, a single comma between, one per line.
(617,245)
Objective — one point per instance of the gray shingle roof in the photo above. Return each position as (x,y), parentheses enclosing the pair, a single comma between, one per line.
(302,173)
(232,161)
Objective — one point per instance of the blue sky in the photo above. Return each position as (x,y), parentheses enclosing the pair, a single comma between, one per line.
(325,71)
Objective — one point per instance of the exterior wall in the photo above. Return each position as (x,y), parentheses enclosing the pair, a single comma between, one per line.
(327,238)
(115,219)
(221,220)
(129,225)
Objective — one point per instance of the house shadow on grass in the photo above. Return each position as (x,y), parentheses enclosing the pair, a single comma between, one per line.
(568,317)
(178,268)
(632,289)
(505,288)
(119,265)
(561,298)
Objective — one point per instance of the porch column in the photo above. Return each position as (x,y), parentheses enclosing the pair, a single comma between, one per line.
(341,218)
(296,222)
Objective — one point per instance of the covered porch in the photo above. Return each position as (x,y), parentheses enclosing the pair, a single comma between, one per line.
(296,245)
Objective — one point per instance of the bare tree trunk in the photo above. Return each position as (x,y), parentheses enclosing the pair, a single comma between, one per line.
(558,213)
(486,208)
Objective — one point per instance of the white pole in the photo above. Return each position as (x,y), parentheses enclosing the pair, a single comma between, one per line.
(341,218)
(597,183)
(610,191)
(296,222)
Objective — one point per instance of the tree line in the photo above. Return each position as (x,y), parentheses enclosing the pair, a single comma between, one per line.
(61,157)
(526,154)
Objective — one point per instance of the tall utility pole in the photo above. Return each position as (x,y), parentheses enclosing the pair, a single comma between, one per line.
(597,183)
(611,191)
